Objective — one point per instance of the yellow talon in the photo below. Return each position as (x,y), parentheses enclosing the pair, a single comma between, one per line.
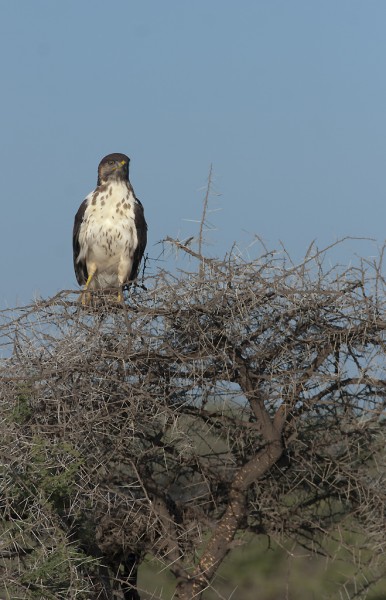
(86,296)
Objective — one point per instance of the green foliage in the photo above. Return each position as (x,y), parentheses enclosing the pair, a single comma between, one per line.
(49,574)
(22,411)
(39,494)
(53,469)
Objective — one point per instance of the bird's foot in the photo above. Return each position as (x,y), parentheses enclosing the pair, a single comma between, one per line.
(85,298)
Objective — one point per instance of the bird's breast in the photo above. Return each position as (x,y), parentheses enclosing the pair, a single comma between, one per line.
(108,230)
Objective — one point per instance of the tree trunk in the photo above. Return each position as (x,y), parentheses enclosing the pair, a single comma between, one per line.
(219,543)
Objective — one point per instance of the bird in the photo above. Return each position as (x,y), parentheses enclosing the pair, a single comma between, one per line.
(110,231)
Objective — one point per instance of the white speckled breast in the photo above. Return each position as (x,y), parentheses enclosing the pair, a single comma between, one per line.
(108,234)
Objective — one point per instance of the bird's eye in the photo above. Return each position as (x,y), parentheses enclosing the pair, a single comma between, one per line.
(111,162)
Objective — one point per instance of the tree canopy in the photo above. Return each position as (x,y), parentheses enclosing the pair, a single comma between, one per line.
(232,397)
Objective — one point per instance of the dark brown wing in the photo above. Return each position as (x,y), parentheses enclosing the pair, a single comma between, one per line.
(141,227)
(79,266)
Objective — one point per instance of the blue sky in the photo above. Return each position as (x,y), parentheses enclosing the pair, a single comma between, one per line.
(286,98)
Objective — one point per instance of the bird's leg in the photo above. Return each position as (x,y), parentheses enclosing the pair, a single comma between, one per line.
(124,269)
(85,294)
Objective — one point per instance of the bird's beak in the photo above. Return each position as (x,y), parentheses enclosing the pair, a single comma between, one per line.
(122,163)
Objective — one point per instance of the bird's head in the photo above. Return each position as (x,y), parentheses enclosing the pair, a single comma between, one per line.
(113,167)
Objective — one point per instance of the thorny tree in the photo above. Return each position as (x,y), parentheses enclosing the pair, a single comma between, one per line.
(237,397)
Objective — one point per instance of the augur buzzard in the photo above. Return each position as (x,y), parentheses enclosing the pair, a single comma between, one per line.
(110,231)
